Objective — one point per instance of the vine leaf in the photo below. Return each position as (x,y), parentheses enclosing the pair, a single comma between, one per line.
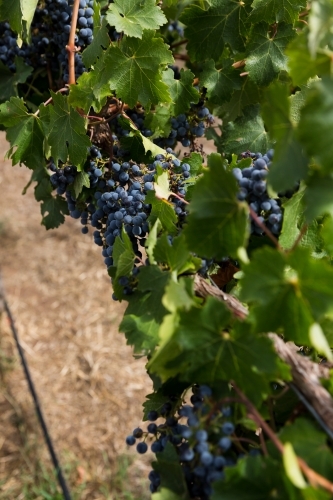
(176,254)
(265,53)
(220,83)
(81,180)
(100,41)
(134,70)
(293,214)
(216,214)
(318,197)
(53,209)
(171,473)
(67,132)
(316,125)
(194,346)
(145,311)
(320,23)
(83,94)
(24,133)
(248,94)
(133,16)
(301,64)
(182,91)
(290,164)
(310,445)
(253,478)
(19,14)
(247,132)
(278,11)
(209,30)
(289,292)
(9,80)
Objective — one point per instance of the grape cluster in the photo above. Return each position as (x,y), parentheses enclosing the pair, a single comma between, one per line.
(186,129)
(116,199)
(204,443)
(50,30)
(253,189)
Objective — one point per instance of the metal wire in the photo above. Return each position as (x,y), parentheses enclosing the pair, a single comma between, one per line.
(47,437)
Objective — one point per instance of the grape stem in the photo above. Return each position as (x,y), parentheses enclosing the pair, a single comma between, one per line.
(299,237)
(71,48)
(46,103)
(177,44)
(313,477)
(268,233)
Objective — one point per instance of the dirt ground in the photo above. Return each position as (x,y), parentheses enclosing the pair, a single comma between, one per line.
(90,386)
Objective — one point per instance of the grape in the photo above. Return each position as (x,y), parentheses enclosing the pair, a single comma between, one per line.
(141,448)
(138,432)
(130,440)
(228,428)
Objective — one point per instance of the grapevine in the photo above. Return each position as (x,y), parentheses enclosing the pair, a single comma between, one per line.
(223,257)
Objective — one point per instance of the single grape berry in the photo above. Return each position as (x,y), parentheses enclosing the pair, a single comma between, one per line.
(141,448)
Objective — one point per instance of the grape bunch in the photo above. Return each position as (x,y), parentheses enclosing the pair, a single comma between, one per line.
(253,189)
(50,30)
(186,128)
(201,433)
(115,199)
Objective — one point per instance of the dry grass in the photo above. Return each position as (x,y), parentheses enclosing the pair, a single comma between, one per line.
(90,386)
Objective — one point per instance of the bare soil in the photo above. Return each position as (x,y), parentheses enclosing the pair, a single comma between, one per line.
(90,386)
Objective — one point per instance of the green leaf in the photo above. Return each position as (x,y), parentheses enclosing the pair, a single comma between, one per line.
(194,346)
(290,291)
(320,26)
(100,41)
(55,208)
(162,210)
(9,80)
(272,11)
(316,124)
(140,147)
(318,197)
(179,295)
(265,52)
(301,64)
(67,136)
(166,494)
(145,311)
(24,133)
(82,94)
(327,234)
(195,161)
(292,467)
(293,216)
(252,478)
(158,121)
(310,444)
(297,102)
(81,179)
(134,16)
(134,70)
(171,473)
(209,30)
(216,214)
(290,165)
(182,91)
(19,14)
(174,254)
(246,133)
(247,95)
(220,83)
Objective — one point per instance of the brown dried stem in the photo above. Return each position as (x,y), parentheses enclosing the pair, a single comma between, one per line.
(204,290)
(71,48)
(313,477)
(268,233)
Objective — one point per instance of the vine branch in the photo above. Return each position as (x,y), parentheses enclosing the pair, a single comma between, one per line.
(313,477)
(71,48)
